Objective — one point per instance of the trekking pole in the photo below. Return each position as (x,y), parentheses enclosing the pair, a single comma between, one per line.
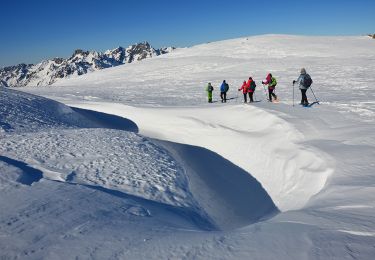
(293,93)
(265,92)
(316,100)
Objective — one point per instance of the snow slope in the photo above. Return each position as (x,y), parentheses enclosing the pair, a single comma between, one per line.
(238,163)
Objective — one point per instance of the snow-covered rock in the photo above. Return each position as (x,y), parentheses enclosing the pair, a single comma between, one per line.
(81,62)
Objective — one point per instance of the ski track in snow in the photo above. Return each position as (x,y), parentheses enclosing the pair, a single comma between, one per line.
(102,197)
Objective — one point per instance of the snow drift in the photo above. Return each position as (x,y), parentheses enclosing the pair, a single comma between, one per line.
(69,151)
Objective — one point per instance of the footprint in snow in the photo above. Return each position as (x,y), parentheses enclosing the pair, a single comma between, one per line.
(138,211)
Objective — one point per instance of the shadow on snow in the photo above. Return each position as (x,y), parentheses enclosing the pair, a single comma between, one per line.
(108,121)
(29,174)
(190,215)
(229,195)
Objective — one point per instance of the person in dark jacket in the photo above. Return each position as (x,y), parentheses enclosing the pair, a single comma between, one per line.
(251,86)
(223,91)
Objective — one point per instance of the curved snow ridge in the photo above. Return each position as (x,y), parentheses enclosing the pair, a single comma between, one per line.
(266,146)
(112,159)
(23,112)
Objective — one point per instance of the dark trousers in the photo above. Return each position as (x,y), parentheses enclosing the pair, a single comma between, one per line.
(304,97)
(244,97)
(223,96)
(251,94)
(271,94)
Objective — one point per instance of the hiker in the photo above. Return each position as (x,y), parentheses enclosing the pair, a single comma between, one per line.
(223,91)
(209,90)
(304,80)
(271,81)
(245,90)
(251,85)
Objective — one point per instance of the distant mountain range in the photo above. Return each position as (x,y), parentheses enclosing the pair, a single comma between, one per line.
(81,62)
(372,35)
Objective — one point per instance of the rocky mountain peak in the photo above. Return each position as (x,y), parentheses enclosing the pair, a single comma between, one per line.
(81,62)
(80,52)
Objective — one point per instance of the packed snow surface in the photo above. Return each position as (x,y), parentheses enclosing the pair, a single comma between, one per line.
(139,166)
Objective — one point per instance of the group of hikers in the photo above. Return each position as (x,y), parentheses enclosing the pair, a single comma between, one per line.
(304,81)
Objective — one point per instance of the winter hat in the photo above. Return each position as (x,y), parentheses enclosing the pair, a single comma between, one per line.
(303,71)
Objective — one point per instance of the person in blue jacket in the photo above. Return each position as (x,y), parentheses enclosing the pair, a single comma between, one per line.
(223,91)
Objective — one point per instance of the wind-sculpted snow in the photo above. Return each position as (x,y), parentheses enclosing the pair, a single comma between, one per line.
(113,159)
(22,112)
(266,146)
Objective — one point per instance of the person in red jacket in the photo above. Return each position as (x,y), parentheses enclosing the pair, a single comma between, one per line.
(245,90)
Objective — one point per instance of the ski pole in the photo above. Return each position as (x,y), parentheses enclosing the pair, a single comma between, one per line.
(316,100)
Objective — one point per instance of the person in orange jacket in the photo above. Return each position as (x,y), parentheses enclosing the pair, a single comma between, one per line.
(245,90)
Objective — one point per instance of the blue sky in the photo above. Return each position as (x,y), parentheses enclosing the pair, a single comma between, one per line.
(33,30)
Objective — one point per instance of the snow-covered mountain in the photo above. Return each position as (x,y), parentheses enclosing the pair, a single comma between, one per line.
(81,62)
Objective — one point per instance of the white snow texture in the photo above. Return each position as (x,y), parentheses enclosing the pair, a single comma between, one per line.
(131,162)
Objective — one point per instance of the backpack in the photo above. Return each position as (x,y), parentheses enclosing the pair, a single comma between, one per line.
(273,82)
(253,85)
(226,87)
(210,88)
(307,81)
